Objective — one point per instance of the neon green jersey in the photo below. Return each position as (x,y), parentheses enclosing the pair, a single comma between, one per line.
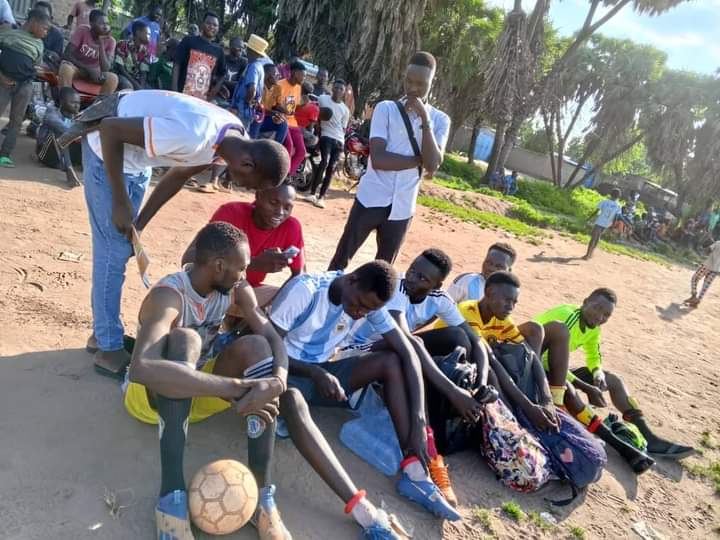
(589,339)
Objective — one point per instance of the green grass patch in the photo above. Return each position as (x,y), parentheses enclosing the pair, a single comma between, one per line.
(484,516)
(480,217)
(709,472)
(708,441)
(578,532)
(513,511)
(456,165)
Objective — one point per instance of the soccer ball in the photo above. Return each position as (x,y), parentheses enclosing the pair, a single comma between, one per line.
(222,496)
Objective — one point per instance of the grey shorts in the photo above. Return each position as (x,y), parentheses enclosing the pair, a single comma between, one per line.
(342,370)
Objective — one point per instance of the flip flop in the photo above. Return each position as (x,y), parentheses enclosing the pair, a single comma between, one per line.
(128,345)
(675,452)
(192,183)
(117,375)
(206,188)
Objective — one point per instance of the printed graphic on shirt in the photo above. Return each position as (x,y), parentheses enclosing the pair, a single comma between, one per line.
(199,74)
(290,104)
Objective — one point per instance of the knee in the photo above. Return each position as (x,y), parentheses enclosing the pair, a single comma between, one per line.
(533,332)
(251,349)
(612,380)
(293,404)
(555,333)
(392,366)
(184,345)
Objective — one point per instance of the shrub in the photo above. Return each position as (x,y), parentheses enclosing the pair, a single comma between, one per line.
(457,166)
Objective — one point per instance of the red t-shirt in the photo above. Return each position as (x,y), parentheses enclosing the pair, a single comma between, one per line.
(88,49)
(307,114)
(286,235)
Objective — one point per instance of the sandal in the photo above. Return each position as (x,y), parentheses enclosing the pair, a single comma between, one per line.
(207,188)
(192,183)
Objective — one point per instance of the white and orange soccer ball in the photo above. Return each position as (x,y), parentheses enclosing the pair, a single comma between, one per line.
(222,497)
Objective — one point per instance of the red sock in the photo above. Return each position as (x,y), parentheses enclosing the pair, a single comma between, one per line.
(432,449)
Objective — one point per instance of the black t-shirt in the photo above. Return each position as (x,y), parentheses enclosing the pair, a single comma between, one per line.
(235,66)
(54,40)
(201,63)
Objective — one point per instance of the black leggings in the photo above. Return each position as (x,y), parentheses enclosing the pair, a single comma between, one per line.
(443,341)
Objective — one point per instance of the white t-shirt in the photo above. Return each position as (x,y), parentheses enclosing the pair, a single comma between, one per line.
(6,14)
(713,261)
(398,189)
(335,127)
(180,130)
(315,326)
(609,209)
(436,304)
(470,286)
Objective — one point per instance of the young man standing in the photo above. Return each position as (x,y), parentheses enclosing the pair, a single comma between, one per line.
(272,234)
(22,53)
(387,192)
(132,58)
(570,327)
(138,131)
(314,314)
(199,69)
(416,301)
(249,90)
(321,88)
(181,372)
(153,20)
(290,99)
(606,213)
(471,286)
(332,141)
(56,122)
(236,62)
(89,55)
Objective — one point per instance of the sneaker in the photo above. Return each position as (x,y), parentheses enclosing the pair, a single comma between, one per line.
(319,203)
(171,517)
(6,162)
(384,528)
(267,519)
(427,495)
(312,199)
(439,475)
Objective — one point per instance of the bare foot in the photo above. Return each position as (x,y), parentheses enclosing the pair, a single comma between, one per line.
(71,178)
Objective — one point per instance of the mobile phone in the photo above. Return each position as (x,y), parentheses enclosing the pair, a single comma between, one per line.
(291,252)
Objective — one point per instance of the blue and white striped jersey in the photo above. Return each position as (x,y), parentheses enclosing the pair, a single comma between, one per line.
(470,286)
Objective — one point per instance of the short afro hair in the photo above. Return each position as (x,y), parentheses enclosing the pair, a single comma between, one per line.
(307,88)
(615,193)
(137,26)
(297,65)
(505,248)
(209,14)
(502,278)
(267,68)
(378,277)
(41,4)
(423,59)
(606,293)
(439,259)
(95,14)
(217,240)
(38,15)
(272,161)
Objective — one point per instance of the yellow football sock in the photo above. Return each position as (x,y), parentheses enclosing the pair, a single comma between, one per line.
(585,416)
(558,395)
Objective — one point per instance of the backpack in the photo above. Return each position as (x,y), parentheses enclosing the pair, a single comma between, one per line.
(576,456)
(515,455)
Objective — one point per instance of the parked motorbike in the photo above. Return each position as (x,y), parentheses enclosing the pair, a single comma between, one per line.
(357,153)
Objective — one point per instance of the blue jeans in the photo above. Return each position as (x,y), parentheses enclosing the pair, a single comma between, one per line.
(268,125)
(110,249)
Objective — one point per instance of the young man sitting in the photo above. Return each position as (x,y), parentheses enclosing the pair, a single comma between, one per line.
(471,286)
(417,300)
(132,58)
(314,313)
(180,372)
(271,230)
(569,327)
(56,122)
(89,55)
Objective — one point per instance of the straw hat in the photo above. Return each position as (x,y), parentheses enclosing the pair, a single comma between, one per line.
(257,44)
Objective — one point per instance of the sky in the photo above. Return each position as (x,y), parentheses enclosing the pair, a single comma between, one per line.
(687,33)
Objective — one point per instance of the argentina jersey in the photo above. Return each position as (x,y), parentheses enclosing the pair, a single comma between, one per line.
(470,286)
(315,326)
(436,304)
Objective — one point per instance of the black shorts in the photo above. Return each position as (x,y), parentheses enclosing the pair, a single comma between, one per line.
(342,370)
(583,374)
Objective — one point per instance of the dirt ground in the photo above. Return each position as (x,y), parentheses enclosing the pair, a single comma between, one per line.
(66,438)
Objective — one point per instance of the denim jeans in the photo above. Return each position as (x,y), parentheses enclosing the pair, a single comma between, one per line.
(110,249)
(268,125)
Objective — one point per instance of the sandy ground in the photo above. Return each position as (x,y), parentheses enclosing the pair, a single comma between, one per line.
(66,438)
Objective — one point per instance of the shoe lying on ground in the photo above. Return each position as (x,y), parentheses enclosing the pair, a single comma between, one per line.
(267,520)
(439,475)
(6,162)
(427,495)
(171,517)
(641,464)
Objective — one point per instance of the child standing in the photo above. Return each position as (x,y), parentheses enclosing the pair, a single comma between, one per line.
(709,270)
(606,213)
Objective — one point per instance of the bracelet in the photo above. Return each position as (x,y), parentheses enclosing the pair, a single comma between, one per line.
(360,495)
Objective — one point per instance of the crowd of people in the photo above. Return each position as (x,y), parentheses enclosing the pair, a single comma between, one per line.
(455,371)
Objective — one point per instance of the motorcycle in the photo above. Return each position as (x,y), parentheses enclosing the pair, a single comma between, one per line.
(303,177)
(356,155)
(50,82)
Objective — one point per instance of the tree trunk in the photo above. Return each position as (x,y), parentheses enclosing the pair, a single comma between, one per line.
(454,127)
(106,6)
(511,136)
(498,143)
(473,142)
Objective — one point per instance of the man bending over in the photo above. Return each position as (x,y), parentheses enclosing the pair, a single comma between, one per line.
(180,373)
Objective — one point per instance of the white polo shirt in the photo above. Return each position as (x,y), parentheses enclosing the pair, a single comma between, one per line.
(180,130)
(398,189)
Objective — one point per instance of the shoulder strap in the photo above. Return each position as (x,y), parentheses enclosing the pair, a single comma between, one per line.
(411,135)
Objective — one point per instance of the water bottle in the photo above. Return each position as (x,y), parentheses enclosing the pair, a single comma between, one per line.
(372,436)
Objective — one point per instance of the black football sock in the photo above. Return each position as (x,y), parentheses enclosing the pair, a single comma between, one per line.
(656,444)
(173,424)
(260,453)
(637,460)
